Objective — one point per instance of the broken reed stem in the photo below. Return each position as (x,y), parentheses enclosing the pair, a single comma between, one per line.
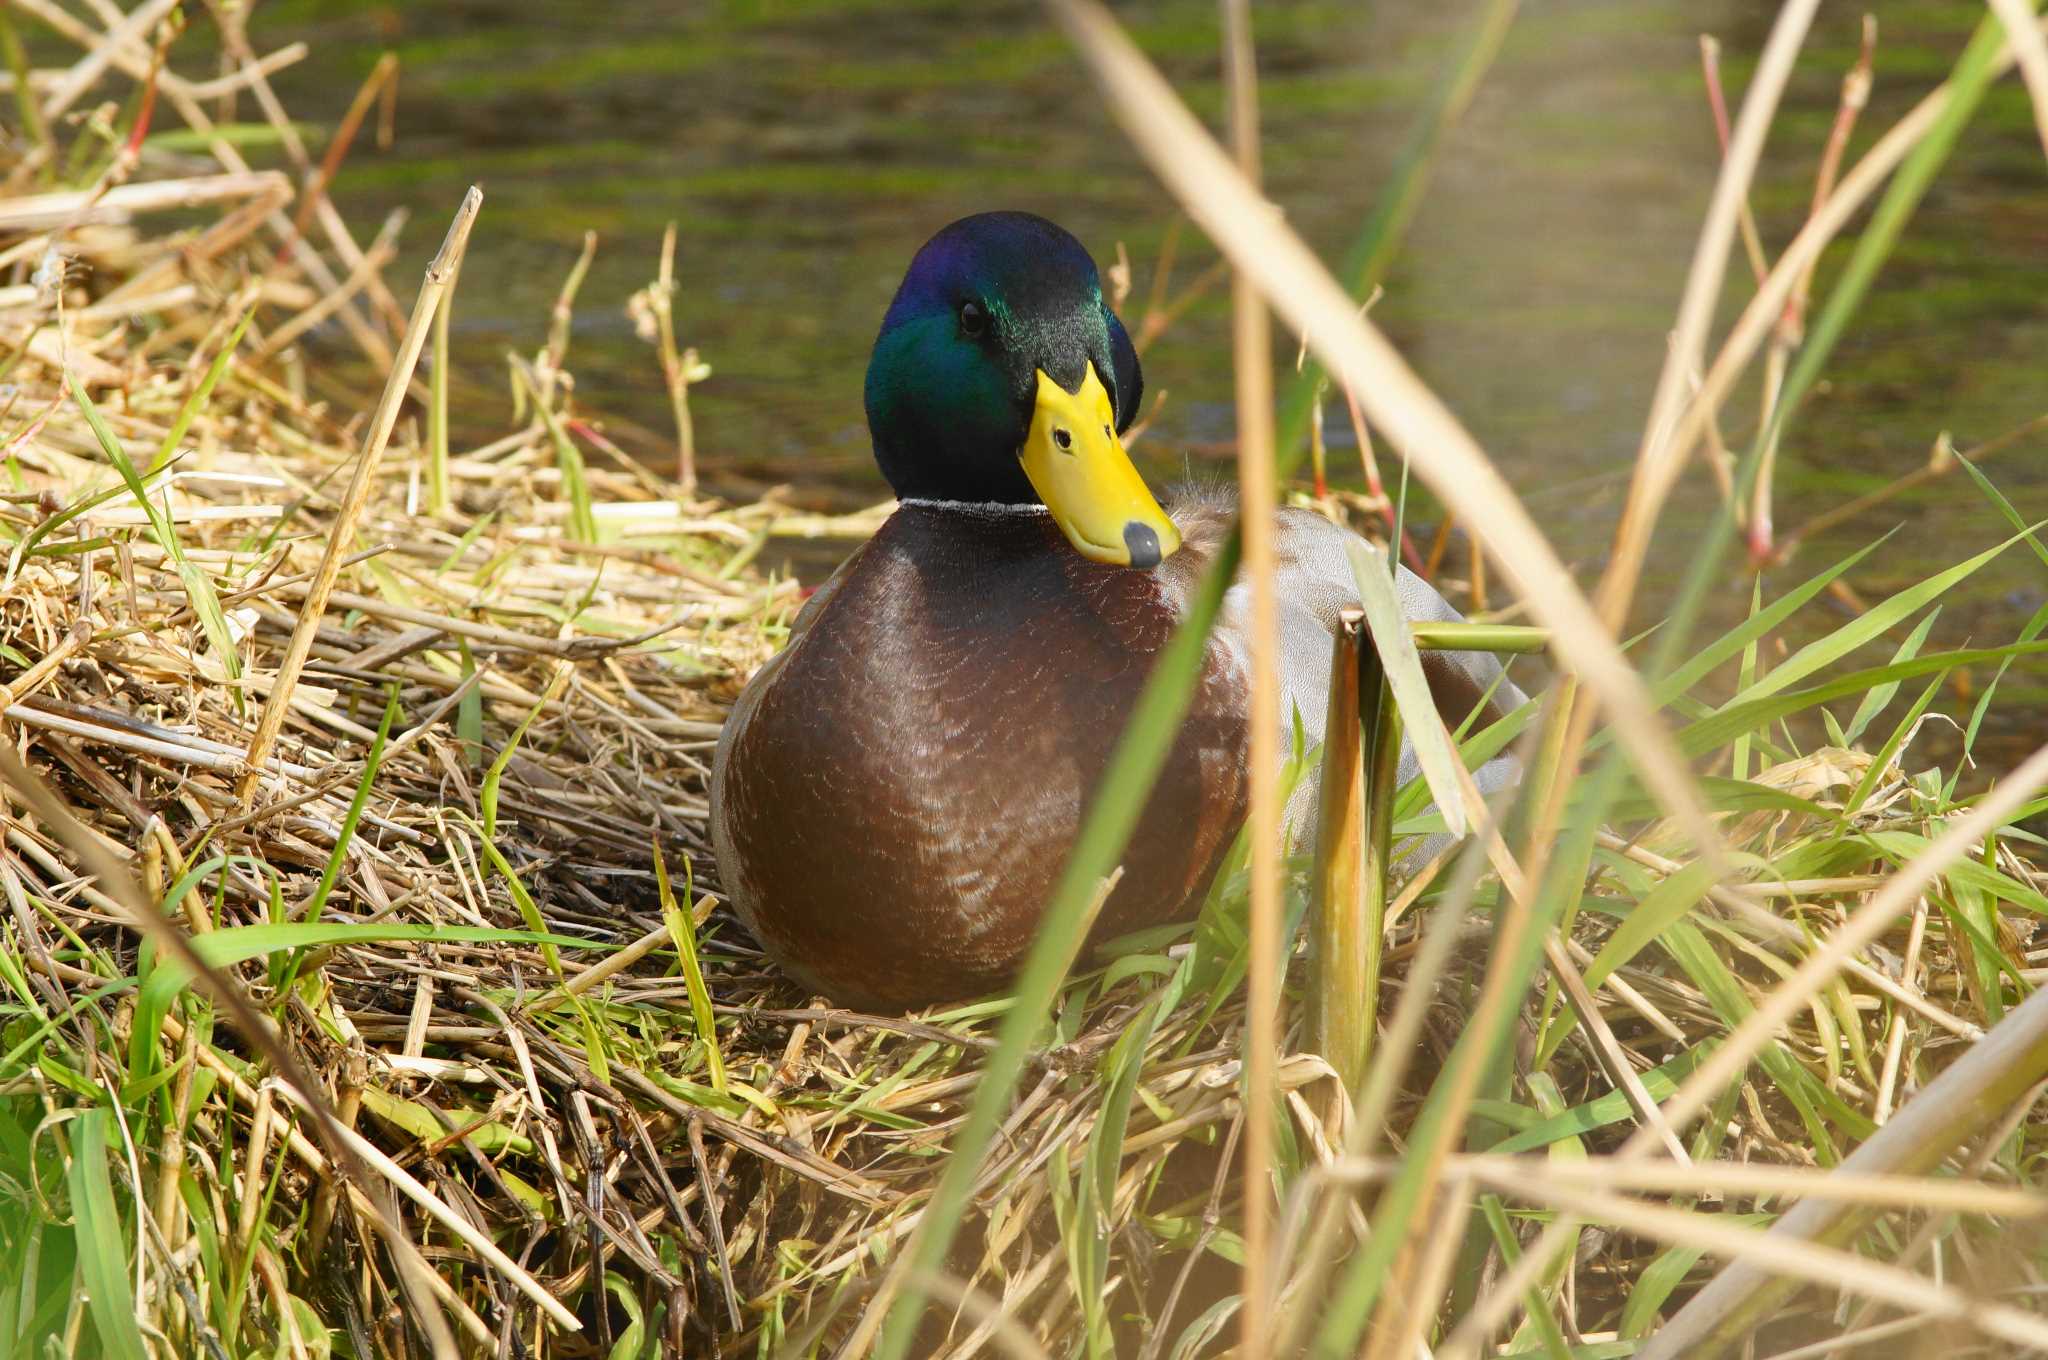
(1361,752)
(342,532)
(1258,504)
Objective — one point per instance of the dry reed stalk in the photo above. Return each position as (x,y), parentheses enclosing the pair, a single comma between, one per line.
(1258,504)
(357,496)
(70,207)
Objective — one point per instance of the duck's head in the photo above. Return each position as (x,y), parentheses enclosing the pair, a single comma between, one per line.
(1002,376)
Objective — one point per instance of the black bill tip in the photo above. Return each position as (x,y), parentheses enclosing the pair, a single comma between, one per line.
(1142,543)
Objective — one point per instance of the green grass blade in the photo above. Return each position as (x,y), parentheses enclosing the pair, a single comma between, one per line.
(198,585)
(1880,696)
(1708,733)
(1389,636)
(1548,1333)
(575,485)
(1669,901)
(101,1238)
(1879,619)
(196,402)
(487,795)
(682,928)
(331,874)
(1738,639)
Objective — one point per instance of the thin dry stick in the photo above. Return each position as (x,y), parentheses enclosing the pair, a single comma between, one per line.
(1258,500)
(43,212)
(1932,1194)
(1895,1039)
(678,369)
(93,65)
(1442,453)
(381,250)
(1710,67)
(1933,470)
(344,137)
(358,494)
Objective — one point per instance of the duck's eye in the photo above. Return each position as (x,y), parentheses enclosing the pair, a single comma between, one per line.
(973,319)
(1063,439)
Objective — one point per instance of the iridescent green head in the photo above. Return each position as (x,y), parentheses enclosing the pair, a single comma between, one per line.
(1001,375)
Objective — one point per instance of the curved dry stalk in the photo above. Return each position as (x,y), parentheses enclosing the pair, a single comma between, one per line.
(1248,231)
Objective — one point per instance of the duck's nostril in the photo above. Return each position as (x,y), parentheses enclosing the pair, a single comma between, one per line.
(1064,439)
(1142,543)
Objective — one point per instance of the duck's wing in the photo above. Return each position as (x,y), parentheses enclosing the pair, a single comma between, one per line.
(1315,586)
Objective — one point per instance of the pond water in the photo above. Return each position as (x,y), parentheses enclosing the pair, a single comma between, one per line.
(806,149)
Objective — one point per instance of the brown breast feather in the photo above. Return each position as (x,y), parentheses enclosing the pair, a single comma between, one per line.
(898,796)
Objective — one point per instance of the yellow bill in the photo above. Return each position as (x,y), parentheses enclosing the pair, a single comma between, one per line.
(1080,470)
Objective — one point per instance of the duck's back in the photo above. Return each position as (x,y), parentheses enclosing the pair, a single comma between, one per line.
(895,793)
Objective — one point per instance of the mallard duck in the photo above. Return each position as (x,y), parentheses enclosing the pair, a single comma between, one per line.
(895,792)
